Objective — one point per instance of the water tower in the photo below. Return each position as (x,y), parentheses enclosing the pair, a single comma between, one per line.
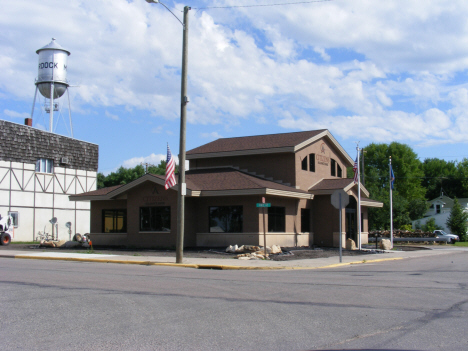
(51,79)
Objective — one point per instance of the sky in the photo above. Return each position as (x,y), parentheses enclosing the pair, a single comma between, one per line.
(370,71)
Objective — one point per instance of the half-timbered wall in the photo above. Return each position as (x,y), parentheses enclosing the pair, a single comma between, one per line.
(37,197)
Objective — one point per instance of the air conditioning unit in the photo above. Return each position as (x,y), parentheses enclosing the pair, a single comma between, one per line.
(64,161)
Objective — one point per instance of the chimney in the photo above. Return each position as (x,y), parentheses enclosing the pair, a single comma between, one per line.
(28,122)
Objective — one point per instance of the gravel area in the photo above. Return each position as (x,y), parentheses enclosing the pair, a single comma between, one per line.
(289,253)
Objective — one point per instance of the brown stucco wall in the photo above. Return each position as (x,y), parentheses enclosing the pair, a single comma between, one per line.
(326,220)
(279,166)
(324,151)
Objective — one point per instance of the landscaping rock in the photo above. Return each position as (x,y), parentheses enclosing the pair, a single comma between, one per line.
(385,244)
(60,243)
(350,244)
(71,244)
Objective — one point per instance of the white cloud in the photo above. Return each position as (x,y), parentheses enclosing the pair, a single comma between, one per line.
(383,73)
(152,159)
(212,135)
(112,116)
(15,114)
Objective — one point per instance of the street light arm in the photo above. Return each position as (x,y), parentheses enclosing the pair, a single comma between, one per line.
(167,8)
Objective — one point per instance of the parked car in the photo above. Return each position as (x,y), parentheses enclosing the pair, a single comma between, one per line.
(451,238)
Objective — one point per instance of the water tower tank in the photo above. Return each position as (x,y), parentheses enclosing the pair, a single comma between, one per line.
(52,69)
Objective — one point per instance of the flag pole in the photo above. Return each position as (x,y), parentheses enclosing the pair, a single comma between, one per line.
(359,199)
(391,202)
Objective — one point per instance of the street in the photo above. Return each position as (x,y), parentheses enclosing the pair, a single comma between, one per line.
(415,304)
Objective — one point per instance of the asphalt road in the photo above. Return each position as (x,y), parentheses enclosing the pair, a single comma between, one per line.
(413,304)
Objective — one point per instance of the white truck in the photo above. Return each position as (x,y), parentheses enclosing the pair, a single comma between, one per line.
(6,229)
(451,238)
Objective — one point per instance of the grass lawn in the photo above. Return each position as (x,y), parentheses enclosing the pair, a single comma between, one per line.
(462,244)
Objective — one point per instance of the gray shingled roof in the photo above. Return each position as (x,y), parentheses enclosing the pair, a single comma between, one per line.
(21,143)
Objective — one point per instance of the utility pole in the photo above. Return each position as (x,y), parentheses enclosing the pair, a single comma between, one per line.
(146,164)
(183,115)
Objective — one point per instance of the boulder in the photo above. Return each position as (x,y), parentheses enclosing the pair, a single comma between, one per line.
(232,248)
(350,244)
(252,248)
(47,243)
(60,243)
(385,244)
(240,249)
(71,244)
(276,249)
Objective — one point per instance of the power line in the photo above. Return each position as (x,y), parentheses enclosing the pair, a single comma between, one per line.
(260,5)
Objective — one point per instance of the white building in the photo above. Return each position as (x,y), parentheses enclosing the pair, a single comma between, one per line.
(439,209)
(38,171)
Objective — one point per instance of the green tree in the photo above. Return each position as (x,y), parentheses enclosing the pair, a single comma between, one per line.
(408,195)
(457,221)
(438,175)
(126,175)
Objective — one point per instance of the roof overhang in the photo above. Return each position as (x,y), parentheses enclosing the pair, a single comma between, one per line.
(331,191)
(120,192)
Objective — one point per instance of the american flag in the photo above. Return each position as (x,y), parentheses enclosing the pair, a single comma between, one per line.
(170,167)
(355,170)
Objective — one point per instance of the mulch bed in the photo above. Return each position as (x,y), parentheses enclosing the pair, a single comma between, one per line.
(289,253)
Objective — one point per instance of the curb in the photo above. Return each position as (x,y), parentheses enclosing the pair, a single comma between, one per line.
(196,266)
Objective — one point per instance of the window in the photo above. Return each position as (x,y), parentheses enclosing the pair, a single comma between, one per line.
(276,219)
(312,162)
(226,219)
(114,221)
(333,167)
(437,208)
(305,220)
(304,164)
(155,219)
(44,165)
(339,173)
(14,216)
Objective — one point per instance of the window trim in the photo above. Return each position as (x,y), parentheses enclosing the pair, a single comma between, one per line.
(114,217)
(153,230)
(311,162)
(228,206)
(15,216)
(332,167)
(45,165)
(305,212)
(304,164)
(275,215)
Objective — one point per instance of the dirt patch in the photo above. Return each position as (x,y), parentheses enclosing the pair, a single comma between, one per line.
(289,253)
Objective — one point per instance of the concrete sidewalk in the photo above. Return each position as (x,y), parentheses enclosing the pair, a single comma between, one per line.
(228,263)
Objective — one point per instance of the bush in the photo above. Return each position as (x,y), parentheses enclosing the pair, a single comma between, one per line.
(430,226)
(406,227)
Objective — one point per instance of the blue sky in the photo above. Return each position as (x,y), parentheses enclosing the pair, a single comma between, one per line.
(367,70)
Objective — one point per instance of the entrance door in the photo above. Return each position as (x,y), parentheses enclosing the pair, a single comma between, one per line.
(351,225)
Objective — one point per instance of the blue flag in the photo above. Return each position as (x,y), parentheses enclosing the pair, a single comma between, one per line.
(392,176)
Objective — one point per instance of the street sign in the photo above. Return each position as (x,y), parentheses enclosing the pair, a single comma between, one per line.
(264,205)
(335,199)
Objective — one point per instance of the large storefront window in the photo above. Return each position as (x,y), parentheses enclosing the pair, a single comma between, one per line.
(114,221)
(226,219)
(276,219)
(155,219)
